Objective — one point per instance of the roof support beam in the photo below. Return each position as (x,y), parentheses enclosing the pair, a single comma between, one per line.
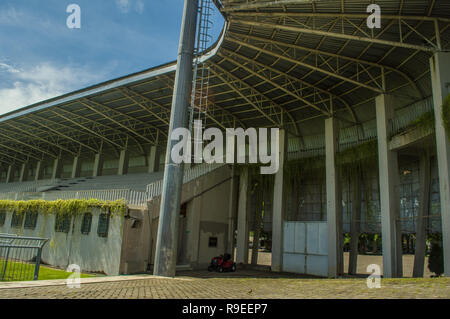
(16,150)
(312,67)
(254,102)
(15,140)
(164,115)
(29,133)
(50,128)
(329,54)
(258,5)
(274,84)
(303,83)
(215,112)
(130,126)
(344,36)
(71,118)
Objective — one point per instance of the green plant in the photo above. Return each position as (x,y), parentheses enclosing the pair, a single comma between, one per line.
(61,207)
(436,259)
(426,121)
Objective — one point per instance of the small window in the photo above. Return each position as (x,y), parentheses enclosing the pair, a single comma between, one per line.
(86,224)
(62,223)
(17,220)
(2,218)
(212,242)
(30,220)
(103,225)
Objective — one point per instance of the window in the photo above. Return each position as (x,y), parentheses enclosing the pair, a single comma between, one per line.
(86,224)
(2,218)
(16,220)
(103,225)
(62,223)
(30,220)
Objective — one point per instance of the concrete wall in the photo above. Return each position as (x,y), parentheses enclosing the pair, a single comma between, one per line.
(91,252)
(136,242)
(207,200)
(306,248)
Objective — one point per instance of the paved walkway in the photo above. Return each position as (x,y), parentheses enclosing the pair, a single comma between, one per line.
(247,284)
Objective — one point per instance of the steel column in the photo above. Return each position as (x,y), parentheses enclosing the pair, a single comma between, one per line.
(166,245)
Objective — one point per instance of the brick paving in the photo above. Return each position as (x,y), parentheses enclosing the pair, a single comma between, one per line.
(245,284)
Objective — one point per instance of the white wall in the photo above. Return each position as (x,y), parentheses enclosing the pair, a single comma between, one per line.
(305,249)
(91,252)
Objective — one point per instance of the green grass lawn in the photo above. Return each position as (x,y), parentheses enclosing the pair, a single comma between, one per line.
(25,272)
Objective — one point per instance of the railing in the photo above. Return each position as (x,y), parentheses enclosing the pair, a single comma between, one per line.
(314,145)
(30,186)
(20,257)
(134,198)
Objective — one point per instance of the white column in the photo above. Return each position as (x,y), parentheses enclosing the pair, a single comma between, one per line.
(243,216)
(153,159)
(389,196)
(440,78)
(39,171)
(232,213)
(10,174)
(424,204)
(98,165)
(57,168)
(278,208)
(334,201)
(24,171)
(76,167)
(123,163)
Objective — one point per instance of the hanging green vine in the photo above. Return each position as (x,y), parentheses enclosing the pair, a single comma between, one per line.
(446,115)
(426,121)
(62,207)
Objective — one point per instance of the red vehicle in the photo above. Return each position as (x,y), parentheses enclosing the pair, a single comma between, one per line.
(222,263)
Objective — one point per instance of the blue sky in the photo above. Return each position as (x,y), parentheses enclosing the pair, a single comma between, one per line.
(40,57)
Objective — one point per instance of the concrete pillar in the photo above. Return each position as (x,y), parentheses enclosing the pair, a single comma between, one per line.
(10,174)
(243,217)
(334,201)
(76,167)
(389,196)
(440,78)
(278,207)
(57,168)
(355,225)
(232,213)
(194,217)
(24,171)
(39,174)
(123,163)
(153,159)
(98,165)
(424,204)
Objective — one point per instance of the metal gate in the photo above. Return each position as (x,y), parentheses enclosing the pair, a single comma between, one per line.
(20,257)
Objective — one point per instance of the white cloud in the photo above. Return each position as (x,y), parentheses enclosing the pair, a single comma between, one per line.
(39,83)
(125,5)
(140,6)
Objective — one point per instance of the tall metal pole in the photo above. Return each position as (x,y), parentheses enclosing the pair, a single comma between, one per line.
(166,245)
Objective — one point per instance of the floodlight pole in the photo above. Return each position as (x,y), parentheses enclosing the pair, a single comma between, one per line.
(167,241)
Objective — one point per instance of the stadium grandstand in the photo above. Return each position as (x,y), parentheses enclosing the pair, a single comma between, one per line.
(366,151)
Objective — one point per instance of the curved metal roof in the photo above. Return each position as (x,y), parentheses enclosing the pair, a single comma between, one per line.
(279,63)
